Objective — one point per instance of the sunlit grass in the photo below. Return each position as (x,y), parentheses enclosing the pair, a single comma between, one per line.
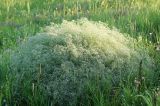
(133,17)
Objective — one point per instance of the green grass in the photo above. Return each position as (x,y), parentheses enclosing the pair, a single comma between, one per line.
(25,18)
(20,19)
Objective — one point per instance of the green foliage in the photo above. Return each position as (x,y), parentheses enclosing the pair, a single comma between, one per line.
(119,59)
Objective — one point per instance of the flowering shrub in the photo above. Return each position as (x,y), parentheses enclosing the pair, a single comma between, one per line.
(66,56)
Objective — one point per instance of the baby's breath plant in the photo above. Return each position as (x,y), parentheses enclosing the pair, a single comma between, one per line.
(63,59)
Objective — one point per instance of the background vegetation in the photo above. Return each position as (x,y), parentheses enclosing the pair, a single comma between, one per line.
(140,19)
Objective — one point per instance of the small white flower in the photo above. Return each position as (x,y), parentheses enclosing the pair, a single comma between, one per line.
(158,48)
(150,33)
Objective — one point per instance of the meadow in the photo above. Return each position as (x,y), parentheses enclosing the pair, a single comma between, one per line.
(110,53)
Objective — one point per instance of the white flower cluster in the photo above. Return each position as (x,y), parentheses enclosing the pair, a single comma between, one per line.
(65,57)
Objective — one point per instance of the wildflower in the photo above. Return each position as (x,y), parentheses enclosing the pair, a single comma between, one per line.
(137,82)
(150,34)
(71,54)
(157,47)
